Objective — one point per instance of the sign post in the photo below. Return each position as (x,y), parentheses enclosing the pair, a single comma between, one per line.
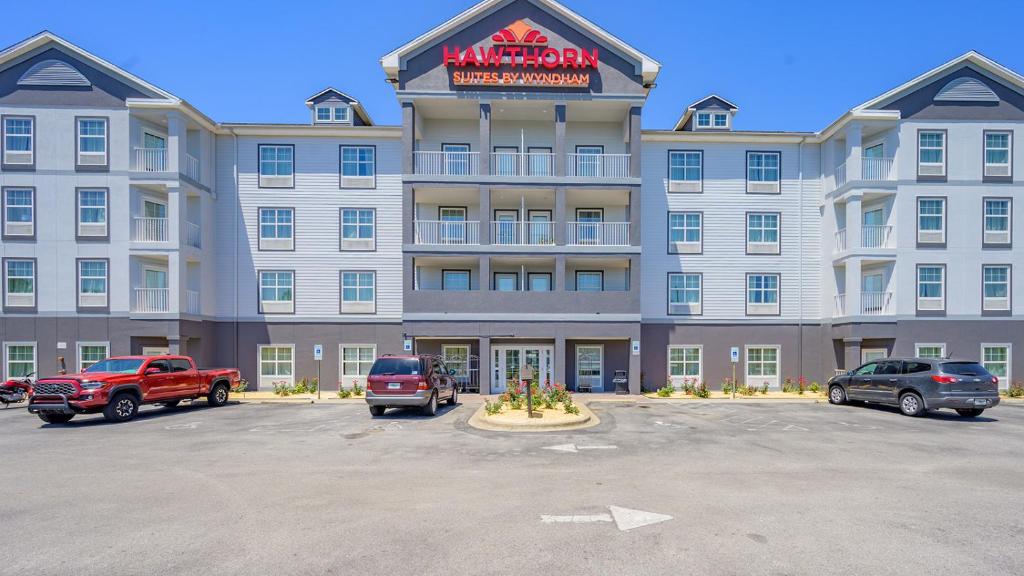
(734,356)
(528,376)
(318,355)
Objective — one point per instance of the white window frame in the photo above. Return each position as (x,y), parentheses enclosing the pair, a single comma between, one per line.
(684,308)
(678,381)
(330,114)
(998,169)
(89,158)
(699,116)
(358,305)
(1004,383)
(276,306)
(276,242)
(758,380)
(359,243)
(930,303)
(576,279)
(81,361)
(919,346)
(714,120)
(763,308)
(93,229)
(269,380)
(275,180)
(685,246)
(763,247)
(18,157)
(7,357)
(872,354)
(996,304)
(764,186)
(358,180)
(346,115)
(686,158)
(20,299)
(600,379)
(931,168)
(997,236)
(347,379)
(12,228)
(931,236)
(93,299)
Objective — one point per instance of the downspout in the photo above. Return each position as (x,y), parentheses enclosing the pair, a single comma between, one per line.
(234,137)
(800,275)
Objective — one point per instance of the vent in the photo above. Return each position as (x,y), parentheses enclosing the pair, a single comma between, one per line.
(53,73)
(966,90)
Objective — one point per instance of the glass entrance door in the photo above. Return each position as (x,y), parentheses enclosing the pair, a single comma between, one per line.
(589,373)
(509,361)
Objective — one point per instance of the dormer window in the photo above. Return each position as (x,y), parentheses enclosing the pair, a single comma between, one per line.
(712,120)
(341,114)
(721,120)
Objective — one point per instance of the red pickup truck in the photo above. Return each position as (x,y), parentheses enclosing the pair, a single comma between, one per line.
(118,386)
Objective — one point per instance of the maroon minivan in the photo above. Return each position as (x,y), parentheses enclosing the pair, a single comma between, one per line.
(410,381)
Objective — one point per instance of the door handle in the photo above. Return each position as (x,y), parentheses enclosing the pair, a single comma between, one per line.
(894,379)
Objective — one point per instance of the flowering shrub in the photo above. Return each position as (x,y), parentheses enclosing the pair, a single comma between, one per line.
(240,386)
(492,408)
(357,390)
(728,386)
(702,391)
(764,388)
(282,388)
(1016,390)
(666,390)
(815,387)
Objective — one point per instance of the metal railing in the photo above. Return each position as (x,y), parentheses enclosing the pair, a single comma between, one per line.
(522,164)
(840,175)
(597,165)
(192,167)
(597,233)
(506,233)
(150,160)
(192,302)
(149,229)
(193,235)
(151,300)
(447,233)
(876,236)
(841,240)
(840,304)
(876,169)
(875,303)
(433,163)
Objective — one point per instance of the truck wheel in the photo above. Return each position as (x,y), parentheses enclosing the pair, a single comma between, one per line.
(431,408)
(377,410)
(218,396)
(55,418)
(122,408)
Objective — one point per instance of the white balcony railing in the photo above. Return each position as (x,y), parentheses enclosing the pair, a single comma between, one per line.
(597,234)
(447,233)
(522,164)
(149,229)
(151,300)
(597,165)
(523,233)
(875,303)
(841,240)
(840,175)
(150,160)
(193,235)
(192,167)
(876,169)
(876,236)
(434,163)
(840,305)
(192,301)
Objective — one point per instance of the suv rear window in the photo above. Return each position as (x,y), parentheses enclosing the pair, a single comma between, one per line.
(916,367)
(395,367)
(964,369)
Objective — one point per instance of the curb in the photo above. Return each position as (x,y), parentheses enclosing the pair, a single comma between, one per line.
(286,400)
(744,400)
(479,421)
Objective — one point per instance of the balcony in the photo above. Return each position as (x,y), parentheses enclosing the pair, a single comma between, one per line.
(840,305)
(148,300)
(507,233)
(597,165)
(877,237)
(597,234)
(192,305)
(193,235)
(150,160)
(841,240)
(876,303)
(529,164)
(523,164)
(447,233)
(191,167)
(871,170)
(149,229)
(432,163)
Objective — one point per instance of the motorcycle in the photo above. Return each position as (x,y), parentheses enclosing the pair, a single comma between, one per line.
(16,390)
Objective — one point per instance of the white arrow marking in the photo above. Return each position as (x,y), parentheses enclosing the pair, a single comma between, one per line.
(624,518)
(574,448)
(189,426)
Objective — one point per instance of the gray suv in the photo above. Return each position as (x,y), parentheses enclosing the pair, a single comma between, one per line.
(917,385)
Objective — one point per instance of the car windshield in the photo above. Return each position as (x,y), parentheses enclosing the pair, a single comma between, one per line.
(964,369)
(395,367)
(116,366)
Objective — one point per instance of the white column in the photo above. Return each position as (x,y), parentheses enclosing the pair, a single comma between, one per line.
(854,152)
(853,286)
(854,221)
(177,139)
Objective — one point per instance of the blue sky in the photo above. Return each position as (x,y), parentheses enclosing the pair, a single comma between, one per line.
(787,65)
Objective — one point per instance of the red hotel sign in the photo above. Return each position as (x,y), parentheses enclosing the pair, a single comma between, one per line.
(527,61)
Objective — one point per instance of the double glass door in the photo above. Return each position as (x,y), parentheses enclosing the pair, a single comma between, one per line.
(508,363)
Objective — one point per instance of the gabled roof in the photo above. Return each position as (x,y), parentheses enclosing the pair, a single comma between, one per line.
(974,59)
(692,107)
(648,67)
(352,102)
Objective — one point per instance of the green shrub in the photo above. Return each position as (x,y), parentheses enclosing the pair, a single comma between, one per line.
(1016,390)
(240,386)
(569,407)
(283,389)
(702,391)
(764,388)
(492,408)
(728,386)
(516,403)
(357,390)
(688,388)
(815,387)
(302,387)
(747,391)
(314,385)
(344,393)
(666,391)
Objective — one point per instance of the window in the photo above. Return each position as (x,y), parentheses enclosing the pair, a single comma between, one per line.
(277,365)
(20,358)
(358,292)
(684,293)
(721,120)
(931,287)
(455,280)
(506,281)
(92,283)
(684,365)
(931,220)
(358,166)
(277,229)
(685,170)
(357,228)
(456,356)
(456,159)
(18,142)
(930,351)
(997,221)
(762,366)
(92,213)
(588,161)
(685,232)
(763,172)
(356,361)
(90,353)
(996,359)
(996,287)
(997,155)
(538,281)
(277,292)
(589,281)
(323,114)
(20,283)
(762,294)
(931,153)
(19,212)
(92,142)
(277,166)
(763,233)
(703,119)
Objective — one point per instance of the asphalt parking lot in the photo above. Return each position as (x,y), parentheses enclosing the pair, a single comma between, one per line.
(656,488)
